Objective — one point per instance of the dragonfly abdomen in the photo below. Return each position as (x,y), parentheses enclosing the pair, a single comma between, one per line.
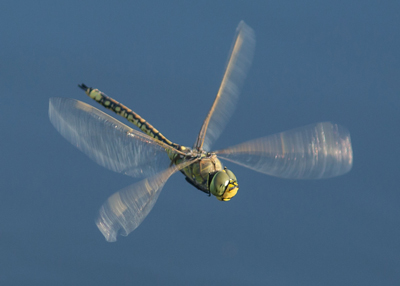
(127,113)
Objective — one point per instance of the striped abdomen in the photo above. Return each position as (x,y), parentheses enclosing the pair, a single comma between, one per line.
(127,113)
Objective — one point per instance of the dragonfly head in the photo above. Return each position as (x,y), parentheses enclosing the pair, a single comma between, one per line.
(224,185)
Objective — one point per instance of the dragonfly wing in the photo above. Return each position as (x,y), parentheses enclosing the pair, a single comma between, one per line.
(239,61)
(321,150)
(125,210)
(106,140)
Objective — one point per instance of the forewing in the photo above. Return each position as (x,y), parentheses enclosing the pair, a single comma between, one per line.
(125,210)
(316,151)
(106,140)
(239,61)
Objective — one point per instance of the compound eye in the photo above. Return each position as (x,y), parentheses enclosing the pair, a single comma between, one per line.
(219,183)
(230,174)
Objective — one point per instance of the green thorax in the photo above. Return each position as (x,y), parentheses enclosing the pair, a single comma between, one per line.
(198,173)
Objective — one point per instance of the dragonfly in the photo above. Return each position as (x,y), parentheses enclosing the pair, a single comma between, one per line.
(320,150)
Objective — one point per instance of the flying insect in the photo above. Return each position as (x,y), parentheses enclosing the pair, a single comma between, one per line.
(316,151)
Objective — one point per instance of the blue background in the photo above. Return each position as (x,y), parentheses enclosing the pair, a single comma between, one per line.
(314,61)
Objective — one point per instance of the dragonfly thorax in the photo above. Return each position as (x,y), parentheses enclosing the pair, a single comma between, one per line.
(208,175)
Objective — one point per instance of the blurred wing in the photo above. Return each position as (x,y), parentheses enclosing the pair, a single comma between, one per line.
(107,141)
(125,210)
(239,61)
(316,151)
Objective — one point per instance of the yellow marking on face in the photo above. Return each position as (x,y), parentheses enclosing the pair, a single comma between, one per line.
(231,191)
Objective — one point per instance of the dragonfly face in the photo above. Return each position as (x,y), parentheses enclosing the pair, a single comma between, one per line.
(224,185)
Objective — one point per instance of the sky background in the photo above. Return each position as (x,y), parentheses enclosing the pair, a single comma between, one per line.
(314,61)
